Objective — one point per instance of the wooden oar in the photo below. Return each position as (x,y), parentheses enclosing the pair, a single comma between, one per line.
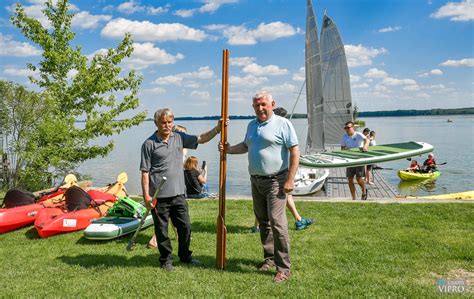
(221,228)
(131,243)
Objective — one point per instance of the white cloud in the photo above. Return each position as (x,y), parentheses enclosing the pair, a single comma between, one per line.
(85,20)
(381,88)
(185,13)
(240,35)
(300,75)
(432,72)
(435,86)
(375,73)
(360,85)
(131,7)
(397,82)
(9,47)
(147,31)
(214,5)
(280,89)
(469,62)
(390,29)
(248,80)
(411,87)
(18,72)
(423,95)
(241,61)
(456,11)
(200,94)
(360,55)
(81,19)
(203,73)
(145,55)
(269,70)
(156,90)
(210,6)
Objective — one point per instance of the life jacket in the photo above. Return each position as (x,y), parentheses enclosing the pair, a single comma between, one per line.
(127,207)
(17,198)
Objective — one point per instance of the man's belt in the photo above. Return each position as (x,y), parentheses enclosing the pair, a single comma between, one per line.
(272,176)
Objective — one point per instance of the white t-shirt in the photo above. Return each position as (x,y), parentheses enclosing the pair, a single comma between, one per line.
(372,142)
(354,141)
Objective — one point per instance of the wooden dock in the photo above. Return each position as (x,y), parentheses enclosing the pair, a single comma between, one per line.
(336,186)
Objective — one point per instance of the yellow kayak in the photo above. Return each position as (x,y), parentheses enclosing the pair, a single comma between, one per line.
(468,195)
(411,176)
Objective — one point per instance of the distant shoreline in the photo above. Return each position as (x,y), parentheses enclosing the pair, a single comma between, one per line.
(387,113)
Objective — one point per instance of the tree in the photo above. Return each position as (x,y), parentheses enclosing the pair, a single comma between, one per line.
(355,112)
(76,88)
(19,115)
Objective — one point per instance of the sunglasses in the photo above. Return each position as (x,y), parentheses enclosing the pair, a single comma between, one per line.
(345,128)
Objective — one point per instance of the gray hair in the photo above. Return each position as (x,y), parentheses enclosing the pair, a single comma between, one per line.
(162,113)
(262,94)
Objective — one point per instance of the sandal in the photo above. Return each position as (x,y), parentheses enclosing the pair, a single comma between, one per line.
(364,196)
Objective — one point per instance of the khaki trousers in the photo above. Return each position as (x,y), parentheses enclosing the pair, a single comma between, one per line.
(269,205)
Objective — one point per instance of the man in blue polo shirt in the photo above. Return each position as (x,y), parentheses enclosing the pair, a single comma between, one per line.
(162,155)
(273,156)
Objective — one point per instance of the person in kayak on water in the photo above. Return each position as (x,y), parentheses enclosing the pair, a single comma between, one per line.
(430,164)
(353,139)
(162,156)
(414,167)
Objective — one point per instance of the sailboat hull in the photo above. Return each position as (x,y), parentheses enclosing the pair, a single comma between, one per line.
(309,181)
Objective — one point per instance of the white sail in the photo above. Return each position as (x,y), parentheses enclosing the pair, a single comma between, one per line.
(314,95)
(336,84)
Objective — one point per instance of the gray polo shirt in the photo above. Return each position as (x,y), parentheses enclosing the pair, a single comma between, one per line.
(166,159)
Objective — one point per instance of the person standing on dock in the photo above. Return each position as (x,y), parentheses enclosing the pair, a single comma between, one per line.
(273,155)
(353,139)
(162,155)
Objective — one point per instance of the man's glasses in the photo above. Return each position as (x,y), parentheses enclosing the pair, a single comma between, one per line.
(346,128)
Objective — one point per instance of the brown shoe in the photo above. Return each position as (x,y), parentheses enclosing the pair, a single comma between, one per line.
(281,276)
(266,265)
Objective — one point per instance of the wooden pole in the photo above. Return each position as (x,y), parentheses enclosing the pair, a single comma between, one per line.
(221,228)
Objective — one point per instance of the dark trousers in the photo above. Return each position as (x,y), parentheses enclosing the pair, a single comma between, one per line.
(176,209)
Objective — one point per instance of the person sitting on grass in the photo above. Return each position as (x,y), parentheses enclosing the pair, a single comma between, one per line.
(414,167)
(195,178)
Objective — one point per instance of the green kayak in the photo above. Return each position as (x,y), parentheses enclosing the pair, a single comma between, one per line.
(411,176)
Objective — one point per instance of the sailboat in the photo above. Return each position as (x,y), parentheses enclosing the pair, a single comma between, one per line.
(310,180)
(336,85)
(321,151)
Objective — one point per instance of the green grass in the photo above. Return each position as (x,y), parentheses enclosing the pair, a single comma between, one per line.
(353,249)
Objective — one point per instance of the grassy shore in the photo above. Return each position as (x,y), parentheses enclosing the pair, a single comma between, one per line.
(353,249)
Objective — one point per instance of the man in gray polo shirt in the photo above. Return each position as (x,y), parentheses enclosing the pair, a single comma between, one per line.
(162,155)
(273,156)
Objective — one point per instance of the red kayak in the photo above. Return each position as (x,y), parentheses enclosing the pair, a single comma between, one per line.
(17,217)
(53,221)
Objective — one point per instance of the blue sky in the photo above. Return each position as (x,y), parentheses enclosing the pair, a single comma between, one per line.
(402,54)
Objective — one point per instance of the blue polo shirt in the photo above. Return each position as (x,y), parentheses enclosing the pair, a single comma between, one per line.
(268,145)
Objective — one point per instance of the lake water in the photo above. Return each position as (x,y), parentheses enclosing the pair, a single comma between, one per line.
(453,143)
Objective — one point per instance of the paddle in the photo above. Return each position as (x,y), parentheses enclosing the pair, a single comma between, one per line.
(131,243)
(69,180)
(221,228)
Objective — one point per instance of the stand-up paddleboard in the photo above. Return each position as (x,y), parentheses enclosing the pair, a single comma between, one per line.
(375,154)
(468,195)
(108,228)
